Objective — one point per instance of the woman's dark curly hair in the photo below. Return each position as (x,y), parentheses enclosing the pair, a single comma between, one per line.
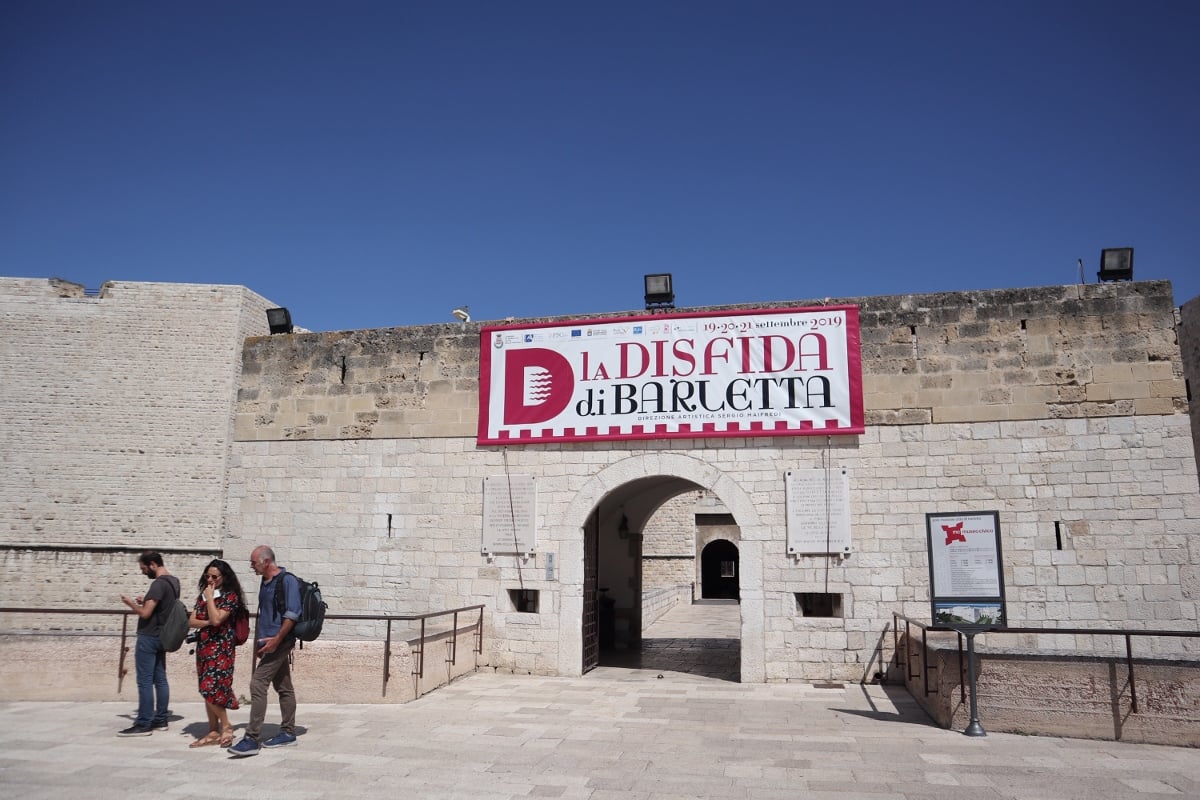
(229,581)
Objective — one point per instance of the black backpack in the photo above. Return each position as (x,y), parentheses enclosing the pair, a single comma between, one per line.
(312,608)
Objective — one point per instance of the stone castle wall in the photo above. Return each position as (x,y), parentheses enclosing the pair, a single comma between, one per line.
(669,545)
(354,454)
(1189,347)
(1060,404)
(116,415)
(1060,352)
(1122,488)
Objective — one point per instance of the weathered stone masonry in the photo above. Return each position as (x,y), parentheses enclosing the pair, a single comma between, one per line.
(1189,345)
(137,418)
(116,417)
(356,451)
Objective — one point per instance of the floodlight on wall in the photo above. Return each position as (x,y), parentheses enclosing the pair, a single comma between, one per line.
(279,320)
(659,291)
(1116,264)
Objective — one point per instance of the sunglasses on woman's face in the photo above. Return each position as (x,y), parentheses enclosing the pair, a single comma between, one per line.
(212,577)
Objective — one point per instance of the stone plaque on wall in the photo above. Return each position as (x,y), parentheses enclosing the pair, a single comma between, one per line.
(818,511)
(509,510)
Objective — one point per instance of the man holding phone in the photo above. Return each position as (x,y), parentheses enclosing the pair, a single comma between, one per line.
(149,657)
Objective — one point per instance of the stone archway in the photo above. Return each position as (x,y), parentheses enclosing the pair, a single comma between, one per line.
(627,493)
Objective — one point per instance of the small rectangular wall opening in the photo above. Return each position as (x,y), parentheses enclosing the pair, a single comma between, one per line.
(524,600)
(819,604)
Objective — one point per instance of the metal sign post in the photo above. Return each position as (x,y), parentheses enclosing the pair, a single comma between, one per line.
(966,583)
(973,727)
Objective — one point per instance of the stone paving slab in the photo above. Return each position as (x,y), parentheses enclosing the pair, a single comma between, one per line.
(613,733)
(682,729)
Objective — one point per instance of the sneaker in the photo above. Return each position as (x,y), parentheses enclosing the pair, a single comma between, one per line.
(246,747)
(158,725)
(281,739)
(136,730)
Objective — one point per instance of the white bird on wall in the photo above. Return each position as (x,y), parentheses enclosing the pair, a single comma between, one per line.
(462,315)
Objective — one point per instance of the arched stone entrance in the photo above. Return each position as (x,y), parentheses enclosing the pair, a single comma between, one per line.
(613,508)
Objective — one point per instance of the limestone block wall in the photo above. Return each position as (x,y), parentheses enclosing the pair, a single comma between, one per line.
(395,383)
(658,573)
(84,577)
(1066,404)
(354,455)
(1122,487)
(669,545)
(394,526)
(1189,347)
(1017,354)
(1119,486)
(1089,350)
(116,414)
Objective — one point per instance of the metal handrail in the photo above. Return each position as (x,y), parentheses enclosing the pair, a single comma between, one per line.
(1127,633)
(419,670)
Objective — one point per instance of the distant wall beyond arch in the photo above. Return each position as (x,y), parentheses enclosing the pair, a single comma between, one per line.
(720,570)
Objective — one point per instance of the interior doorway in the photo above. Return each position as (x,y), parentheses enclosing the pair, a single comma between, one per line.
(720,569)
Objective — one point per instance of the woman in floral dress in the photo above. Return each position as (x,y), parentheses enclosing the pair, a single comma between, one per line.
(215,615)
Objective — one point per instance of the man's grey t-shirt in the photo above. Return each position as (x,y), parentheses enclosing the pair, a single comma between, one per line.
(164,590)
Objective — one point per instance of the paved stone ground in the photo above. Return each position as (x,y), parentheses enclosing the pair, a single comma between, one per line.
(701,639)
(617,732)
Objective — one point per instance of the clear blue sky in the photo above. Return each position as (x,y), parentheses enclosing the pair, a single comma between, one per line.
(377,164)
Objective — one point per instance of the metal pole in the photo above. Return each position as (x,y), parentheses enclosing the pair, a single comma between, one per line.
(925,660)
(895,640)
(973,728)
(387,657)
(121,671)
(421,655)
(1133,704)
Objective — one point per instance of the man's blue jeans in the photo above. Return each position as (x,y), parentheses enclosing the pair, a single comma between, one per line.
(151,662)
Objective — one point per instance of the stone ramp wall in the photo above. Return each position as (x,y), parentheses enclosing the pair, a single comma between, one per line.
(657,602)
(1078,696)
(84,667)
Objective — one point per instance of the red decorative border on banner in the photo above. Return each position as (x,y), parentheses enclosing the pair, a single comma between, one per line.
(615,340)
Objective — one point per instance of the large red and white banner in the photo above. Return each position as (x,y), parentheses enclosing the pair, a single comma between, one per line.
(784,372)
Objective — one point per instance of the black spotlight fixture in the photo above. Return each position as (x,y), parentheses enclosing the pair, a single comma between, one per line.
(279,320)
(659,293)
(1116,264)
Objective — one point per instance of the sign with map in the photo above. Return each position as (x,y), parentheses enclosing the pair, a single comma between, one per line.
(966,570)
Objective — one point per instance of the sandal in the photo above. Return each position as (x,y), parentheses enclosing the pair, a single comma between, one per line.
(212,738)
(227,738)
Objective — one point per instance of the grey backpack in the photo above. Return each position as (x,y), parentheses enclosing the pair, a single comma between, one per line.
(174,626)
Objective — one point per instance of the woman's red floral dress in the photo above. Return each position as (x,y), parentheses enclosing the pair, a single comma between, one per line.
(215,653)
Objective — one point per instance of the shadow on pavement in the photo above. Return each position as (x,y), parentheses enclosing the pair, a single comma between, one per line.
(720,659)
